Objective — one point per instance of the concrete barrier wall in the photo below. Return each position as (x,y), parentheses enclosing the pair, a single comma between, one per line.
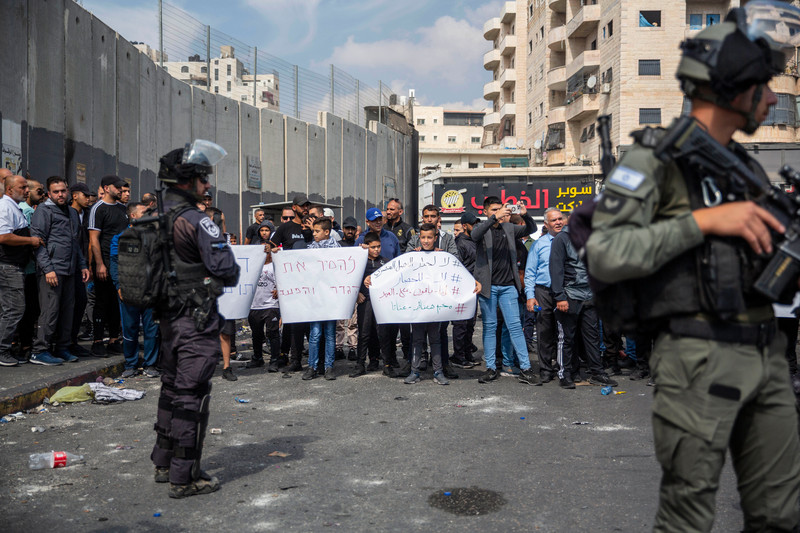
(82,102)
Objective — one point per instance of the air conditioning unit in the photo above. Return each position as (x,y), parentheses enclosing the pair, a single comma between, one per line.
(606,88)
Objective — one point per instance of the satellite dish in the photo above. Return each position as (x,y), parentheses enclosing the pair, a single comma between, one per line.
(591,82)
(537,145)
(520,143)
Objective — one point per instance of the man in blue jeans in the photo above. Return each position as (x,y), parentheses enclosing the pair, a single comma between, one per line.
(132,315)
(496,271)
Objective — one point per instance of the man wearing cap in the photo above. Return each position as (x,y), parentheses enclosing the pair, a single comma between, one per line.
(252,229)
(347,330)
(290,234)
(328,212)
(390,246)
(349,232)
(80,204)
(394,222)
(107,218)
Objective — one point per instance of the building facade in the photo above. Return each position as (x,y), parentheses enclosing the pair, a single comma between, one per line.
(585,58)
(229,77)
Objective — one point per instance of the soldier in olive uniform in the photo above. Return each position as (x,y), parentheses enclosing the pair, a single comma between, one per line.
(680,260)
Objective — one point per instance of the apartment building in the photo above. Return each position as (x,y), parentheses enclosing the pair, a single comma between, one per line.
(584,58)
(507,63)
(453,139)
(229,77)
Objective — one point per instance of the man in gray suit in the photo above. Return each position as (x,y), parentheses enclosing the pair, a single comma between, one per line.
(496,270)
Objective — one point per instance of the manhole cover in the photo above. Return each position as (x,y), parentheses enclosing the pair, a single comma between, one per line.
(467,501)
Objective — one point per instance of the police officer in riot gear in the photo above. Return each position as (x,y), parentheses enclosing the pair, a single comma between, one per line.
(685,258)
(203,264)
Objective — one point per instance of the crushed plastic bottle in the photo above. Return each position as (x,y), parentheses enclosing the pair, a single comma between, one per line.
(605,391)
(38,461)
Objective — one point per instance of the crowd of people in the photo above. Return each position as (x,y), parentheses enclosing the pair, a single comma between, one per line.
(59,247)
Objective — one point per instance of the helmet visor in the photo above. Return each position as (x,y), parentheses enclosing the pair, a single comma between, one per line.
(777,22)
(205,153)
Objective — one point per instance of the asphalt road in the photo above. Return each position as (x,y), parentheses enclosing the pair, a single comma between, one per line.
(365,454)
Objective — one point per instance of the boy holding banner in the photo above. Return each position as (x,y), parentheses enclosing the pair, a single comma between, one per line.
(431,330)
(322,239)
(265,316)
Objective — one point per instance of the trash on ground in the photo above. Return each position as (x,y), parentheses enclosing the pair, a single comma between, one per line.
(121,447)
(13,417)
(581,423)
(37,429)
(216,431)
(103,393)
(242,400)
(72,394)
(278,454)
(38,461)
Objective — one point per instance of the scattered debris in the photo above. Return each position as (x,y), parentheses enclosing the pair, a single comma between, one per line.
(121,447)
(581,423)
(13,417)
(216,431)
(242,400)
(37,429)
(278,454)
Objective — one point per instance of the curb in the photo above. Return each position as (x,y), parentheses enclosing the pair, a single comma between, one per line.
(31,394)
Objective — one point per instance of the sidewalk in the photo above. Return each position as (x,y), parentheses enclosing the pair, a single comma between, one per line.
(26,386)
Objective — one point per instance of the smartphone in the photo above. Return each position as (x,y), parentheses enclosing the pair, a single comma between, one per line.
(513,208)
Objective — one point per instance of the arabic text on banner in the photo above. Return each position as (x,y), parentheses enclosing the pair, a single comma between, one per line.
(422,287)
(318,284)
(235,301)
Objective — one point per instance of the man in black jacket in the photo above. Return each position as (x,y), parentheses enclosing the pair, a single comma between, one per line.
(575,311)
(464,329)
(58,262)
(394,222)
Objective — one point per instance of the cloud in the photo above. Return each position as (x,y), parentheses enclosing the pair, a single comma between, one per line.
(290,13)
(478,104)
(447,50)
(481,14)
(133,23)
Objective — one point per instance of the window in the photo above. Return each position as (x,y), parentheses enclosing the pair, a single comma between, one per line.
(448,165)
(686,108)
(695,21)
(203,70)
(604,34)
(229,86)
(530,13)
(541,32)
(608,76)
(435,137)
(463,118)
(541,71)
(472,165)
(610,28)
(229,70)
(436,121)
(593,46)
(583,136)
(216,74)
(451,139)
(512,30)
(648,19)
(422,138)
(244,98)
(530,118)
(530,82)
(216,88)
(649,67)
(245,84)
(783,113)
(184,69)
(541,108)
(216,61)
(420,122)
(530,46)
(475,140)
(712,19)
(649,115)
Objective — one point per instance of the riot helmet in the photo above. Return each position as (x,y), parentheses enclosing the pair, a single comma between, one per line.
(747,49)
(195,160)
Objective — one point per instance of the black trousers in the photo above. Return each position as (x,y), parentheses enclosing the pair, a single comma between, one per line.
(580,318)
(298,332)
(432,332)
(27,325)
(370,334)
(546,330)
(55,318)
(405,340)
(79,289)
(106,309)
(463,330)
(188,360)
(264,323)
(443,341)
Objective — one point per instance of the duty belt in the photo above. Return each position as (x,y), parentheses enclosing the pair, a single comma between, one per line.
(760,334)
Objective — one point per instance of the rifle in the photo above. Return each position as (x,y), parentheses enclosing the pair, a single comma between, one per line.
(688,141)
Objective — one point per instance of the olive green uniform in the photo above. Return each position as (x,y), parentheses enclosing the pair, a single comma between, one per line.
(711,395)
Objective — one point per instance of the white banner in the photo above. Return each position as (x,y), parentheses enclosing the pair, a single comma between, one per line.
(318,284)
(235,301)
(420,287)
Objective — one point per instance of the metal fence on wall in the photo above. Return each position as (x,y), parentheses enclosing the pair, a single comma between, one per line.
(301,93)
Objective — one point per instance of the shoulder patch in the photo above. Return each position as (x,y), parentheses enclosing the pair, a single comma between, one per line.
(611,204)
(209,227)
(626,177)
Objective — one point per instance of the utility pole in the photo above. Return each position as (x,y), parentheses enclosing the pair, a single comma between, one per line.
(161,33)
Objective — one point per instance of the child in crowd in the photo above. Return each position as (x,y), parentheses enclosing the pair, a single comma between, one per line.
(321,230)
(266,315)
(427,240)
(264,233)
(369,332)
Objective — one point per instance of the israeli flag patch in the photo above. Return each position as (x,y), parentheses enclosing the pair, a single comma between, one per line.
(627,178)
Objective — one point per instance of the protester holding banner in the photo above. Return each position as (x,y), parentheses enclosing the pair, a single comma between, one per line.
(264,319)
(369,332)
(322,239)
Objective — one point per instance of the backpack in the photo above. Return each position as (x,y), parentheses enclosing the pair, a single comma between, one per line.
(142,269)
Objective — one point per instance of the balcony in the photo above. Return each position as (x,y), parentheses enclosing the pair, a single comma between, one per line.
(556,115)
(491,90)
(584,22)
(556,37)
(582,107)
(557,79)
(508,78)
(588,60)
(491,120)
(491,59)
(508,110)
(559,6)
(491,28)
(784,83)
(508,45)
(509,12)
(556,157)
